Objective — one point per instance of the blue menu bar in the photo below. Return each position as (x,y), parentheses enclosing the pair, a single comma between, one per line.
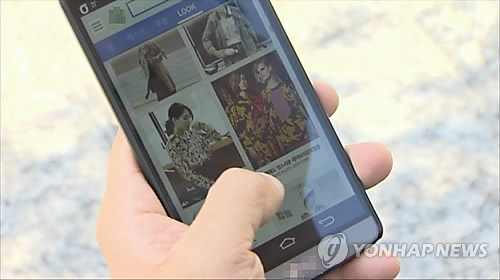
(151,27)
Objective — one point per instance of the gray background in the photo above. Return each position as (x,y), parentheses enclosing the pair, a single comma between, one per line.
(419,76)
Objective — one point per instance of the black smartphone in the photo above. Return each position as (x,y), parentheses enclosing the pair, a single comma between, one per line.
(202,86)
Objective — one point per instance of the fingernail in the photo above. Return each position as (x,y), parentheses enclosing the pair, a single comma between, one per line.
(275,181)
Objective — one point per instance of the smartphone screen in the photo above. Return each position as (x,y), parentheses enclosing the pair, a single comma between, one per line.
(211,85)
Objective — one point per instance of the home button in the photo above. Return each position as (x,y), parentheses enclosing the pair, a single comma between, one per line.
(287,243)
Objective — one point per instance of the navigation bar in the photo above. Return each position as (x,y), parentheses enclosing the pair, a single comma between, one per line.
(151,27)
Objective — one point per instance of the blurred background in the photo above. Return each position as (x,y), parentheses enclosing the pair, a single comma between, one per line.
(421,77)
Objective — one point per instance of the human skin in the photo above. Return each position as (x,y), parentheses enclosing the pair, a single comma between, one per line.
(182,123)
(139,240)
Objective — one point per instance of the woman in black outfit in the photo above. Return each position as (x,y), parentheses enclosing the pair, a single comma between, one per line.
(160,82)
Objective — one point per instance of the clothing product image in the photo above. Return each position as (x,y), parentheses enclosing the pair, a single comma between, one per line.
(160,82)
(230,31)
(253,128)
(287,114)
(191,154)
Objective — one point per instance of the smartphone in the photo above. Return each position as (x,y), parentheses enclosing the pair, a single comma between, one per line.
(202,86)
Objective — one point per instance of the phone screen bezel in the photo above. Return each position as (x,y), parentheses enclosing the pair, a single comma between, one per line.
(146,163)
(144,160)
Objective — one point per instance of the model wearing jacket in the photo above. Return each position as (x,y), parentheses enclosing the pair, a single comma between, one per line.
(228,35)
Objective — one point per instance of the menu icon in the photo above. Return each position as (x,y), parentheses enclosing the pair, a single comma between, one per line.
(96,26)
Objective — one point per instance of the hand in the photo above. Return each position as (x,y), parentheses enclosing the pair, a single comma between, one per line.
(230,52)
(160,56)
(202,126)
(224,53)
(139,240)
(219,54)
(195,125)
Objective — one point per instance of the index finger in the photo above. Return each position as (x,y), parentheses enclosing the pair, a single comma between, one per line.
(122,157)
(126,187)
(328,97)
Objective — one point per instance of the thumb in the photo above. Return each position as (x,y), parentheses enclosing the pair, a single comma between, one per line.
(236,206)
(218,242)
